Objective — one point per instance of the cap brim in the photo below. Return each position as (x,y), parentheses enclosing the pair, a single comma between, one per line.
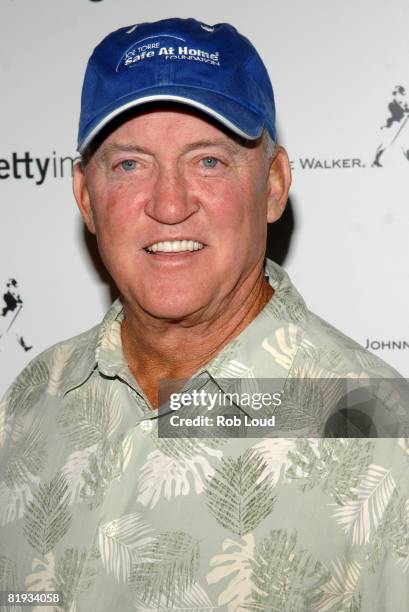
(240,120)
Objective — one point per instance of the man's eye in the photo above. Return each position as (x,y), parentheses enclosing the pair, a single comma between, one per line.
(210,162)
(128,164)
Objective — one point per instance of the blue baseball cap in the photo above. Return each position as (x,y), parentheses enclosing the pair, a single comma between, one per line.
(212,68)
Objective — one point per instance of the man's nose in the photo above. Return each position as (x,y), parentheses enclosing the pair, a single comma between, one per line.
(171,200)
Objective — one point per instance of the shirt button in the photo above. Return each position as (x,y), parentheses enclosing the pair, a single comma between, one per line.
(146,425)
(110,530)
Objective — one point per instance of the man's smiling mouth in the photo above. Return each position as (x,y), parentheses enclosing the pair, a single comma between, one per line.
(175,246)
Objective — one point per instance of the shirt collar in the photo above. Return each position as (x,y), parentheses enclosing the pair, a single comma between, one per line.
(102,350)
(109,354)
(266,348)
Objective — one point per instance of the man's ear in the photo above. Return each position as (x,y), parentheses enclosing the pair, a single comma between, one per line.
(81,193)
(279,181)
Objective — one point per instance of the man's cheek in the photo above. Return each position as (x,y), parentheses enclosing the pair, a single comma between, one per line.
(113,216)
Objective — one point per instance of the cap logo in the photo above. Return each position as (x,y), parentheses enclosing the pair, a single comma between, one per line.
(147,49)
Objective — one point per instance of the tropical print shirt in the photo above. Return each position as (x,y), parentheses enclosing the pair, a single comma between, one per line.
(98,507)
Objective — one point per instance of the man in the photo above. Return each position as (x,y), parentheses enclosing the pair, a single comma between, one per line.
(103,503)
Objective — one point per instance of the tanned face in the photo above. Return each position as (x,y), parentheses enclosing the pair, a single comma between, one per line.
(180,209)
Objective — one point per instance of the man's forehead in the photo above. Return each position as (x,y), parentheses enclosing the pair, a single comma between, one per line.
(189,128)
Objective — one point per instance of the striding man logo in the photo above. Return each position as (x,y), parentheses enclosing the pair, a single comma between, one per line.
(10,310)
(393,130)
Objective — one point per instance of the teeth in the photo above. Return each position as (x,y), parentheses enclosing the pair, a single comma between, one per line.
(175,246)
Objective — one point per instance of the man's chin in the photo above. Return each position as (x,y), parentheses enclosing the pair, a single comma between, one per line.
(174,308)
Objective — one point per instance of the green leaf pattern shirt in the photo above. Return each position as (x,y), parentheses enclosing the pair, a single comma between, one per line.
(94,504)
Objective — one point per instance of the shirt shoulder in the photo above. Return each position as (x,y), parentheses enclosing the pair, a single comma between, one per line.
(333,351)
(321,350)
(341,386)
(53,371)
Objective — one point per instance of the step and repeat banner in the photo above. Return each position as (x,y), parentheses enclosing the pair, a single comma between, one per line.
(340,72)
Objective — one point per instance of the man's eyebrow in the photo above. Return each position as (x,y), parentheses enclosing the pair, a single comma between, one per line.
(218,142)
(107,149)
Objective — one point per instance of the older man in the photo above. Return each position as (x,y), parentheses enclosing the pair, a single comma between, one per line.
(180,174)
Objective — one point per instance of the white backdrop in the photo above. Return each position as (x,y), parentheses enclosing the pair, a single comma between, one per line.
(334,67)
